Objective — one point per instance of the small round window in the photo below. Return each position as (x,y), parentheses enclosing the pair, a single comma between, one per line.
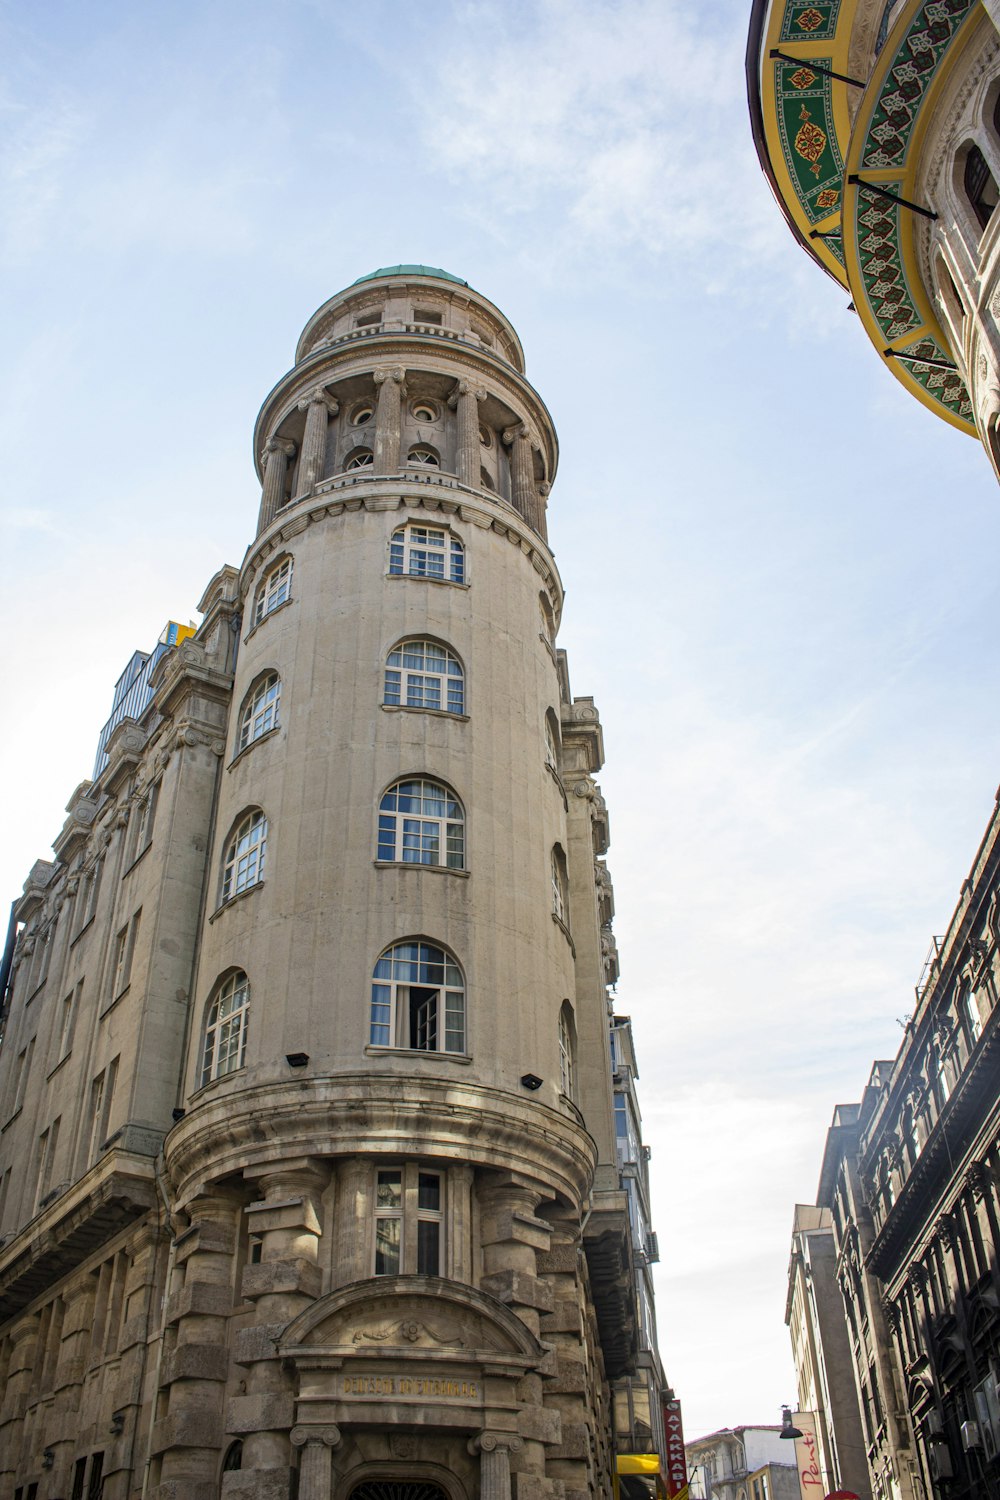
(423,455)
(424,411)
(362,459)
(362,414)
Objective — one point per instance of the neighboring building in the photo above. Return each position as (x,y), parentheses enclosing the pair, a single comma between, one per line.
(877,123)
(911,1177)
(824,1371)
(320,1165)
(722,1465)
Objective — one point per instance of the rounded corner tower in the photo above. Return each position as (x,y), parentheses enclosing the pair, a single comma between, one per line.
(395,1244)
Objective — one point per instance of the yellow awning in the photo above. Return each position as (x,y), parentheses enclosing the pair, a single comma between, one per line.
(638,1463)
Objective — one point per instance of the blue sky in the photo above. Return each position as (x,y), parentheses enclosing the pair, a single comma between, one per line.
(779,568)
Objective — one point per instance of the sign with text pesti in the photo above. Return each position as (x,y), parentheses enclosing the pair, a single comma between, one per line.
(676,1460)
(811,1486)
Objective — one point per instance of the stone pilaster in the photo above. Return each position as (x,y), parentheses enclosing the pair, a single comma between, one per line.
(24,1338)
(286,1222)
(352,1249)
(388,419)
(186,1437)
(511,1236)
(568,1397)
(522,475)
(315,1467)
(494,1449)
(465,399)
(277,453)
(319,406)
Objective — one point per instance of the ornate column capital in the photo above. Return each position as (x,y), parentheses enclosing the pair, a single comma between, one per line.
(492,1442)
(278,445)
(329,1436)
(465,388)
(320,397)
(519,430)
(395,373)
(977,1180)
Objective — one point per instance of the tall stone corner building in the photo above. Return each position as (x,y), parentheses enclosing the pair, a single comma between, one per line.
(320,1161)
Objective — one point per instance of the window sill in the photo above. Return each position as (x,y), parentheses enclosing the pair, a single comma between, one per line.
(462,1058)
(118,998)
(60,1064)
(438,713)
(10,1120)
(565,932)
(558,781)
(232,900)
(406,864)
(449,583)
(141,855)
(268,734)
(264,618)
(89,923)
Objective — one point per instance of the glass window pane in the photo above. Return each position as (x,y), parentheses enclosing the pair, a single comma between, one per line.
(387,1247)
(428,1248)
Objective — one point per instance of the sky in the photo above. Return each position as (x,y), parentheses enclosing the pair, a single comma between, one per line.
(780,576)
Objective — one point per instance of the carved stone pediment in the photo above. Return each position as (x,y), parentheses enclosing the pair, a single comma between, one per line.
(409,1316)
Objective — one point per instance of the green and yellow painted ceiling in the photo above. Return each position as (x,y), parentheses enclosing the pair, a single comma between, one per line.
(813,156)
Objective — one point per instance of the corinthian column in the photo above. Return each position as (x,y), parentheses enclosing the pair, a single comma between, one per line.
(319,406)
(466,399)
(315,1469)
(525,495)
(495,1449)
(387,419)
(277,452)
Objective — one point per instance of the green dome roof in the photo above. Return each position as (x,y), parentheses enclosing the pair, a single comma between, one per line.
(434,271)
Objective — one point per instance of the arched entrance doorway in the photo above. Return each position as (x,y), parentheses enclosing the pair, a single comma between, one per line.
(395,1489)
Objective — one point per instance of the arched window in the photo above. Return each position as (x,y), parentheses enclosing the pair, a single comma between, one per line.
(421,674)
(567,1050)
(973,1015)
(234,1457)
(980,186)
(421,823)
(548,619)
(551,741)
(226,1028)
(418,999)
(260,709)
(275,588)
(244,862)
(360,458)
(427,552)
(560,893)
(424,454)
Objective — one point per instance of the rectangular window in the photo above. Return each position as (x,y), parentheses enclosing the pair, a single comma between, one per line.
(121,971)
(144,814)
(21,1075)
(67,1018)
(95,1487)
(79,1475)
(90,887)
(408,1221)
(102,1093)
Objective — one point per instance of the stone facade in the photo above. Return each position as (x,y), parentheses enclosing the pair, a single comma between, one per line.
(311,1168)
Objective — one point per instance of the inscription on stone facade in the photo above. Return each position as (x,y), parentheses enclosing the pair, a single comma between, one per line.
(410,1385)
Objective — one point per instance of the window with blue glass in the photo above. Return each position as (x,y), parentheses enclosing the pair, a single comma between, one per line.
(427,552)
(421,823)
(422,674)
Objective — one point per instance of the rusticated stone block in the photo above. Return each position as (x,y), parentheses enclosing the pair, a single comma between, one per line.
(134,1331)
(252,1344)
(291,1213)
(570,1376)
(534,1487)
(258,1484)
(521,1228)
(196,1362)
(565,1317)
(518,1289)
(271,1276)
(268,1411)
(539,1424)
(564,1258)
(197,1428)
(199,1297)
(575,1442)
(210,1236)
(185,1489)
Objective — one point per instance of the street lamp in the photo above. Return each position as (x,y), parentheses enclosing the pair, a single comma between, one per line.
(787,1429)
